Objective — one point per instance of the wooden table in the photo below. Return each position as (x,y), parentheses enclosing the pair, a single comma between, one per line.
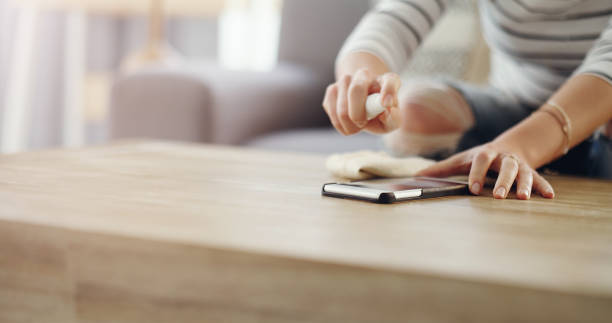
(163,232)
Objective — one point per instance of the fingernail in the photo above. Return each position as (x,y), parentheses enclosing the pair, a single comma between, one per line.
(388,100)
(501,192)
(550,193)
(476,188)
(524,192)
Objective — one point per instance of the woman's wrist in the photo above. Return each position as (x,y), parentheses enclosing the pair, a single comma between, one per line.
(537,140)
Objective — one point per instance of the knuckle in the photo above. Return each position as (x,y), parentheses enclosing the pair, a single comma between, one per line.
(506,180)
(482,156)
(524,184)
(357,87)
(387,82)
(358,120)
(525,175)
(345,79)
(387,88)
(332,88)
(512,164)
(364,72)
(344,114)
(325,102)
(391,78)
(335,124)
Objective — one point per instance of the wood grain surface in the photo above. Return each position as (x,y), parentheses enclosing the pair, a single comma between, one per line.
(167,232)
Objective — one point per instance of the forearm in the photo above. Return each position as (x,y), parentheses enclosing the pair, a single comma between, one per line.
(355,61)
(539,139)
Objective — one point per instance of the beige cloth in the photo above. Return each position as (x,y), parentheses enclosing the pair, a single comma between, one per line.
(367,164)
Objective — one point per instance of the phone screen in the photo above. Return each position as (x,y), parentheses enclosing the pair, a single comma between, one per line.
(408,184)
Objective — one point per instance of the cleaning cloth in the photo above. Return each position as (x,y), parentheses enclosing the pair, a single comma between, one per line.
(366,164)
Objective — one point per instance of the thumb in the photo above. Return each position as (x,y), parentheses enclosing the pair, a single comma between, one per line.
(389,86)
(391,119)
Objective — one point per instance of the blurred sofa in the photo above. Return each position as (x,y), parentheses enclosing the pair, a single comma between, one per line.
(281,108)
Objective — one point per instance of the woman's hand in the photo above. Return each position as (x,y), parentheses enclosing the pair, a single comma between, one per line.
(345,101)
(510,168)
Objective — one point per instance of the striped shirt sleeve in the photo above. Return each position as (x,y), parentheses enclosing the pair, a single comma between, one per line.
(598,61)
(394,29)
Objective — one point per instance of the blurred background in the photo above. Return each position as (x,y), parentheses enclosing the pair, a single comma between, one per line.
(239,72)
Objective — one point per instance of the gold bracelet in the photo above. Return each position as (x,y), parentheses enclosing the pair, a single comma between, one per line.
(567,127)
(564,121)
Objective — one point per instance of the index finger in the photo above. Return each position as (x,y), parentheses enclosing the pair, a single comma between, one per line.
(480,165)
(453,165)
(357,96)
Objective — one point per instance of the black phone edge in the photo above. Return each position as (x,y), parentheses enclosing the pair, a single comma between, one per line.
(389,197)
(459,189)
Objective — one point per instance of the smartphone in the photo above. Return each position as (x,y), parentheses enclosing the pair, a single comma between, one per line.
(396,190)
